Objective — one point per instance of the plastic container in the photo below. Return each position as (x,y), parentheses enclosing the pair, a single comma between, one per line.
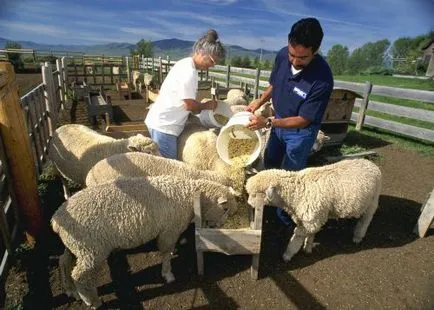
(207,118)
(235,129)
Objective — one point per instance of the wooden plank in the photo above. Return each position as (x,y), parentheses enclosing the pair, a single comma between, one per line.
(364,105)
(393,109)
(198,226)
(412,94)
(243,71)
(404,129)
(229,241)
(19,156)
(426,218)
(357,87)
(123,128)
(254,270)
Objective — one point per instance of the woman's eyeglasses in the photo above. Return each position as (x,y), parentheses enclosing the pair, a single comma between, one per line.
(212,59)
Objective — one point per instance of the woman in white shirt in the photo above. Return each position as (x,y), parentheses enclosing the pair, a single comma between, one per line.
(177,97)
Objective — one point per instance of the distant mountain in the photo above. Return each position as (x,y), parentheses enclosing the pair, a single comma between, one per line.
(174,48)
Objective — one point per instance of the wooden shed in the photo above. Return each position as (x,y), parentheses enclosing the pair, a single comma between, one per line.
(338,115)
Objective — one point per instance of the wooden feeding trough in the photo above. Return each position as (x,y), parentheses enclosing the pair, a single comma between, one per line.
(125,130)
(124,90)
(79,90)
(244,241)
(338,115)
(98,106)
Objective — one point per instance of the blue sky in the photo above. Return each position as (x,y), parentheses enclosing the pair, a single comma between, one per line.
(248,23)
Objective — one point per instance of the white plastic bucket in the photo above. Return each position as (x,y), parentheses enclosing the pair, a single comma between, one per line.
(207,118)
(235,129)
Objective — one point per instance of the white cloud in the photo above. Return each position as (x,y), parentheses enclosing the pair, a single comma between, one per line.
(37,28)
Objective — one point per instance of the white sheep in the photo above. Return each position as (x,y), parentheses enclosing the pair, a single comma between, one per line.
(350,188)
(196,140)
(145,165)
(75,149)
(127,213)
(236,97)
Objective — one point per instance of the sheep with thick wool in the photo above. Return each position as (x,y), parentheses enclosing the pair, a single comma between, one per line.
(75,149)
(136,164)
(236,97)
(196,140)
(126,213)
(350,188)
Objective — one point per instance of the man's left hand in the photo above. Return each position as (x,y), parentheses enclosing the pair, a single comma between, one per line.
(256,122)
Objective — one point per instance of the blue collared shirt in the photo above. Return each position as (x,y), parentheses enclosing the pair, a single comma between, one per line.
(305,94)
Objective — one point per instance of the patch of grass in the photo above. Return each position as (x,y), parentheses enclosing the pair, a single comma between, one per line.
(425,149)
(389,81)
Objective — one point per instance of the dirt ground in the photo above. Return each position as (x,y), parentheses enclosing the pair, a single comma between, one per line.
(390,269)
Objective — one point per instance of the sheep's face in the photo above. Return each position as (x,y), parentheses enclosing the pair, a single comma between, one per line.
(215,211)
(140,143)
(268,197)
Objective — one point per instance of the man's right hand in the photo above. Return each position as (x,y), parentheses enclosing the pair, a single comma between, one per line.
(254,105)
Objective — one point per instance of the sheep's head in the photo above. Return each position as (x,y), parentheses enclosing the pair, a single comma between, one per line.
(217,205)
(264,189)
(321,138)
(140,143)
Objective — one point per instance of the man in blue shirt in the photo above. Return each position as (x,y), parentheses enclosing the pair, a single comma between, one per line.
(300,86)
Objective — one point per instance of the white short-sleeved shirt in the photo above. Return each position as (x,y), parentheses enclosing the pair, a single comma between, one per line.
(168,113)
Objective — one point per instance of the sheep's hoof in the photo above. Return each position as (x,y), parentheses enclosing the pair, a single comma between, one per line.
(169,277)
(307,249)
(287,257)
(357,239)
(72,294)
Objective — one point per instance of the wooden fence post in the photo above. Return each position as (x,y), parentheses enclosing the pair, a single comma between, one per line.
(228,75)
(60,83)
(65,77)
(161,70)
(15,137)
(168,65)
(364,105)
(152,66)
(47,79)
(128,69)
(256,90)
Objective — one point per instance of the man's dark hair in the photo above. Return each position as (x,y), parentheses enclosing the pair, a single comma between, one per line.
(307,32)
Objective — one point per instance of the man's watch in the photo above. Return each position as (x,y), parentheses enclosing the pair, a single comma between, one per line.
(269,123)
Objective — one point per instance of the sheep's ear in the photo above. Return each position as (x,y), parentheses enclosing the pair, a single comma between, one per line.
(222,200)
(270,192)
(234,192)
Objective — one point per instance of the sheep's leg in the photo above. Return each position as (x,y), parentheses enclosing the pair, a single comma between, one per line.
(84,279)
(295,243)
(166,244)
(364,221)
(66,261)
(66,192)
(308,243)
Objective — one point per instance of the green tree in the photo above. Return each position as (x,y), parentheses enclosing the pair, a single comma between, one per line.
(245,62)
(337,58)
(144,48)
(256,63)
(369,55)
(236,61)
(15,58)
